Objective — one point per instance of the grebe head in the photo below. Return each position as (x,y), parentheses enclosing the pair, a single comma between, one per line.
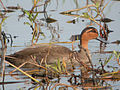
(88,34)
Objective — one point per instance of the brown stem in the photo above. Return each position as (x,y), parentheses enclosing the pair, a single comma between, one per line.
(3,57)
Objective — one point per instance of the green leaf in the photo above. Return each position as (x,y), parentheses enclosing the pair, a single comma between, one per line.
(3,19)
(94,10)
(29,15)
(119,54)
(27,23)
(59,66)
(86,15)
(115,53)
(33,38)
(54,66)
(97,4)
(55,69)
(27,12)
(35,16)
(107,60)
(63,68)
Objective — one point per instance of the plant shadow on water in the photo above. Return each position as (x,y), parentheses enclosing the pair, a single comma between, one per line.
(57,75)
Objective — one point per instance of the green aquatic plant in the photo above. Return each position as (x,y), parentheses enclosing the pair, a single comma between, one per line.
(114,54)
(115,74)
(90,12)
(33,24)
(31,17)
(58,67)
(117,55)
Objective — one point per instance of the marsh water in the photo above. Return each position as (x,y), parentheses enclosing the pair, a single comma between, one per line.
(58,31)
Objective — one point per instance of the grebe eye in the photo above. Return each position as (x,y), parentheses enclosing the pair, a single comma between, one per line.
(93,30)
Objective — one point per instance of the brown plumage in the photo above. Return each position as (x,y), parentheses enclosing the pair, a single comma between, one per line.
(51,53)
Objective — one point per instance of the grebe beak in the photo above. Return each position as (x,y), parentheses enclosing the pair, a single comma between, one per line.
(99,38)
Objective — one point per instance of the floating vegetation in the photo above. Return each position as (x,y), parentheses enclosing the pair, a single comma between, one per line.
(106,20)
(14,7)
(49,20)
(91,12)
(116,42)
(8,11)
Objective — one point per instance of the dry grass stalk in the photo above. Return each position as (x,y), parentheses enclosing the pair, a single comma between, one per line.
(73,10)
(22,71)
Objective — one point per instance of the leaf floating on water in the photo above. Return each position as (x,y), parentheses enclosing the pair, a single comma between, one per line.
(106,20)
(70,14)
(116,42)
(49,20)
(14,7)
(65,13)
(8,11)
(72,21)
